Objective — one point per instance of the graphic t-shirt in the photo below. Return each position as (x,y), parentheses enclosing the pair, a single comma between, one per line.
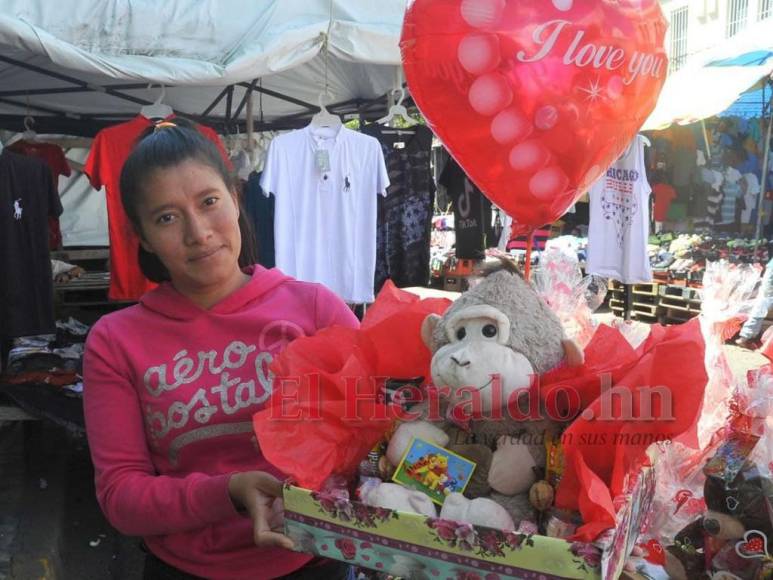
(325,183)
(472,213)
(619,220)
(54,157)
(27,199)
(108,153)
(405,214)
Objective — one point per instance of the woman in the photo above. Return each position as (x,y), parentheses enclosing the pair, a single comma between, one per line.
(171,383)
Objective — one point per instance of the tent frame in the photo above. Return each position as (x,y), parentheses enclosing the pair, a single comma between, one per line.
(88,125)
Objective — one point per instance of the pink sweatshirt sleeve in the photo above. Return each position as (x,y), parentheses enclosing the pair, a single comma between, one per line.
(332,311)
(135,500)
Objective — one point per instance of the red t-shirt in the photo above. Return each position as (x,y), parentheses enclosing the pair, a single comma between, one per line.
(54,157)
(664,195)
(108,153)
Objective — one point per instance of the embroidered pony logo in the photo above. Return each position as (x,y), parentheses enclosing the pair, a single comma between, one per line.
(17,209)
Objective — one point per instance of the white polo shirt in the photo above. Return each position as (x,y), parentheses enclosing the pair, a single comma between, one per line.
(325,214)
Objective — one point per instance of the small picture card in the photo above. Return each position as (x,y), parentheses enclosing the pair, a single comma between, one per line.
(433,470)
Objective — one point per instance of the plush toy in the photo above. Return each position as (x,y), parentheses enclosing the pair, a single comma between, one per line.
(478,512)
(486,348)
(739,520)
(396,497)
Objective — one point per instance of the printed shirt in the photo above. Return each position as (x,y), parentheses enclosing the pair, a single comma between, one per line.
(405,214)
(619,220)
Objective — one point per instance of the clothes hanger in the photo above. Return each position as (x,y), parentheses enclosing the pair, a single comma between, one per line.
(27,135)
(157,110)
(324,119)
(398,110)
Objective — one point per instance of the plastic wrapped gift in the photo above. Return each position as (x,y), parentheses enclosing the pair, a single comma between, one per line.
(571,296)
(727,297)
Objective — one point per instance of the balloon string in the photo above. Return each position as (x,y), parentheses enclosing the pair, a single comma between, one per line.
(529,244)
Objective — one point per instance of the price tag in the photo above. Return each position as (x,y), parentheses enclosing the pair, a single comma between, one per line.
(322,159)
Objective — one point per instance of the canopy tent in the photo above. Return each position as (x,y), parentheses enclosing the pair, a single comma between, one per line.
(80,65)
(712,82)
(750,105)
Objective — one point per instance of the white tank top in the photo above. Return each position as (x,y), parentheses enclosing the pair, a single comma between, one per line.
(619,220)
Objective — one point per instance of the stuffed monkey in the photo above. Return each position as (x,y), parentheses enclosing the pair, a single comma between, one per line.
(501,328)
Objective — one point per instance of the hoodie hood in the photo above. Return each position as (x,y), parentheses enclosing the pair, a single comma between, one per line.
(167,301)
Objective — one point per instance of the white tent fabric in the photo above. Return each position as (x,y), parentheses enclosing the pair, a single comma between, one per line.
(701,89)
(84,219)
(201,44)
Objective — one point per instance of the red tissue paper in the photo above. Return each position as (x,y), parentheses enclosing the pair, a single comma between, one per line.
(666,379)
(325,412)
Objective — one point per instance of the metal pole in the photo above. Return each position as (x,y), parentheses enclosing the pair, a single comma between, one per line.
(706,138)
(765,158)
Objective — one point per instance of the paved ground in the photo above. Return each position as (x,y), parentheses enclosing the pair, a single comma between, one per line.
(50,523)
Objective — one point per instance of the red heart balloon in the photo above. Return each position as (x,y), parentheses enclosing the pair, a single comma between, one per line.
(534,98)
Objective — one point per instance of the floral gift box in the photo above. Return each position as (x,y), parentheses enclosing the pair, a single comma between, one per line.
(413,546)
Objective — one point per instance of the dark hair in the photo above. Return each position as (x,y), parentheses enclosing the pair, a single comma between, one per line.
(164,146)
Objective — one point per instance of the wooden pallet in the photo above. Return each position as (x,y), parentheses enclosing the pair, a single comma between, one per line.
(652,318)
(685,292)
(650,289)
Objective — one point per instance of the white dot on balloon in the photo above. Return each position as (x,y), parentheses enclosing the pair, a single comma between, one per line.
(482,13)
(529,156)
(479,53)
(563,5)
(546,118)
(509,126)
(548,183)
(615,87)
(489,94)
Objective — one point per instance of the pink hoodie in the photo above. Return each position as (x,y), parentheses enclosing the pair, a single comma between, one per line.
(170,390)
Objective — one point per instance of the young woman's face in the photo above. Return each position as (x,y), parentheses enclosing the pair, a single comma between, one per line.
(189,219)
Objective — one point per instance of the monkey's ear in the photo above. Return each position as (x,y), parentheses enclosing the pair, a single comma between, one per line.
(573,353)
(428,329)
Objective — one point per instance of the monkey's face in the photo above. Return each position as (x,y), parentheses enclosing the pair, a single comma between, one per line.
(478,361)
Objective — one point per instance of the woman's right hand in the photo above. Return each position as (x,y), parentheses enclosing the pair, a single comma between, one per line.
(260,494)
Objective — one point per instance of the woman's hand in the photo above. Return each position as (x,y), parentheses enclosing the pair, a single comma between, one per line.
(260,494)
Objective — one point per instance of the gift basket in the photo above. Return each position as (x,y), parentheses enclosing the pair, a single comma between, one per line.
(477,439)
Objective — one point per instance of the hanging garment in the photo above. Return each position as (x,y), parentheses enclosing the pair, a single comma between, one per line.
(27,199)
(472,213)
(664,195)
(619,220)
(750,197)
(108,153)
(325,183)
(405,215)
(731,194)
(54,157)
(260,209)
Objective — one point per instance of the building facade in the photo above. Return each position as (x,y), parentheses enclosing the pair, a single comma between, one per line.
(695,25)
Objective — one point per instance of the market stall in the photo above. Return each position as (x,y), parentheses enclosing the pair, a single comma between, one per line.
(565,484)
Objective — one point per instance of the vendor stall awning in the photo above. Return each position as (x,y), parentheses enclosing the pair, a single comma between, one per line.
(94,59)
(716,79)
